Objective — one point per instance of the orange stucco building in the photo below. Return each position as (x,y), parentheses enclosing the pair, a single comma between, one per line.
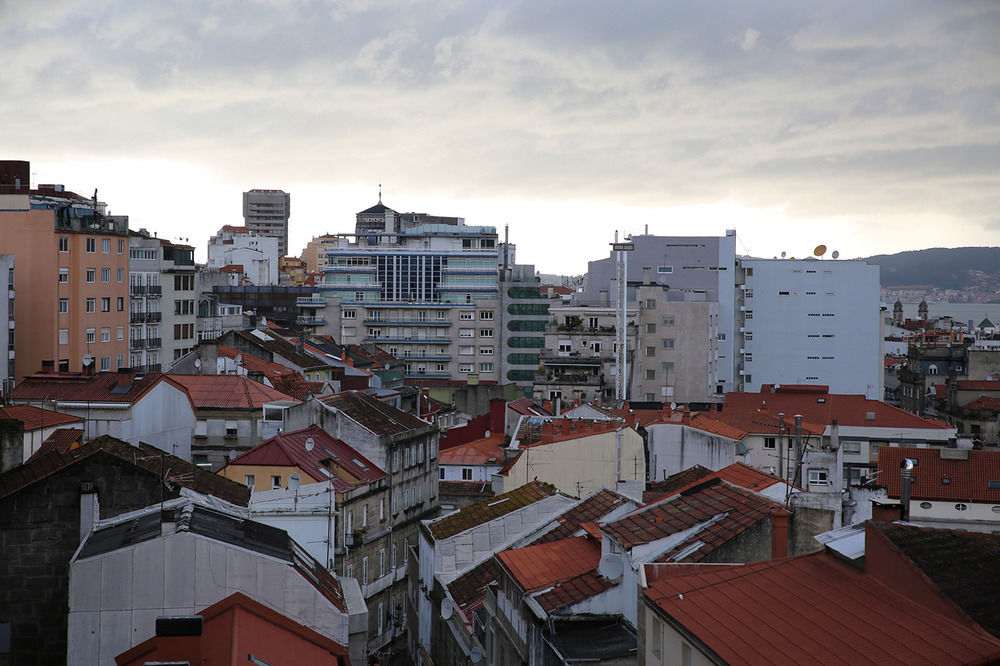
(71,274)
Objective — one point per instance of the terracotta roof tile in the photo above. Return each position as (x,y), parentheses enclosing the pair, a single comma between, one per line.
(72,387)
(969,474)
(572,591)
(228,391)
(674,482)
(489,509)
(488,450)
(289,449)
(819,407)
(985,402)
(989,386)
(787,607)
(34,418)
(541,565)
(63,440)
(592,508)
(469,589)
(722,510)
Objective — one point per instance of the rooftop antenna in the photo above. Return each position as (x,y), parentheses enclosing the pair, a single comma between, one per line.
(380,192)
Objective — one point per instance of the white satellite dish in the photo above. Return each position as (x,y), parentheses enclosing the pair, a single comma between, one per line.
(836,254)
(673,406)
(476,655)
(294,481)
(232,454)
(87,359)
(197,363)
(611,567)
(447,609)
(310,444)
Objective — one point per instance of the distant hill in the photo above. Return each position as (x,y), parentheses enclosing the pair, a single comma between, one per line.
(941,267)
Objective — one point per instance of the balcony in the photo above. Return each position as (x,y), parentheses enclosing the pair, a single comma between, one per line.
(311,321)
(153,343)
(569,378)
(153,317)
(137,317)
(138,290)
(155,290)
(310,302)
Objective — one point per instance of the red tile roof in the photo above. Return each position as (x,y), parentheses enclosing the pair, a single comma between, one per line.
(674,482)
(590,509)
(819,407)
(561,430)
(767,424)
(349,468)
(722,510)
(985,402)
(373,414)
(968,479)
(101,387)
(527,407)
(254,364)
(572,591)
(812,609)
(978,385)
(63,440)
(541,565)
(489,509)
(488,450)
(35,418)
(742,475)
(228,391)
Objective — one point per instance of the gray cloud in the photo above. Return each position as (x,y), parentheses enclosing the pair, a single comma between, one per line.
(866,110)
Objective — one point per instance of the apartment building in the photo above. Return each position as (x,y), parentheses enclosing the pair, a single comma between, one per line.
(72,280)
(162,306)
(314,253)
(424,288)
(250,257)
(266,213)
(810,322)
(701,266)
(678,358)
(523,315)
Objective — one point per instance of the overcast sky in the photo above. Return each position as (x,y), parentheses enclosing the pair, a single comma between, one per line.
(871,126)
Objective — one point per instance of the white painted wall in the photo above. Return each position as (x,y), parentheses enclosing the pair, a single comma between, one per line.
(674,447)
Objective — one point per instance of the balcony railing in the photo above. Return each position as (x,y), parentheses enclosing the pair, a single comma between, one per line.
(154,290)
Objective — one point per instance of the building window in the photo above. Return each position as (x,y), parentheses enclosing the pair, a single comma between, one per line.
(105,275)
(466,316)
(748,314)
(364,570)
(105,245)
(275,481)
(486,315)
(818,477)
(63,244)
(851,447)
(486,351)
(121,361)
(91,305)
(650,303)
(769,443)
(486,332)
(650,351)
(667,367)
(63,305)
(650,374)
(465,367)
(106,334)
(105,363)
(485,367)
(121,304)
(466,332)
(381,566)
(662,270)
(91,245)
(441,473)
(64,336)
(668,320)
(121,246)
(106,304)
(668,343)
(248,481)
(64,275)
(651,328)
(91,274)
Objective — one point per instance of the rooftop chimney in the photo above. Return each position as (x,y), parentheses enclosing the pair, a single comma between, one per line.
(124,377)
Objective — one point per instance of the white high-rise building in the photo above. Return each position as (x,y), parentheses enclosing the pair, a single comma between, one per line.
(809,322)
(248,256)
